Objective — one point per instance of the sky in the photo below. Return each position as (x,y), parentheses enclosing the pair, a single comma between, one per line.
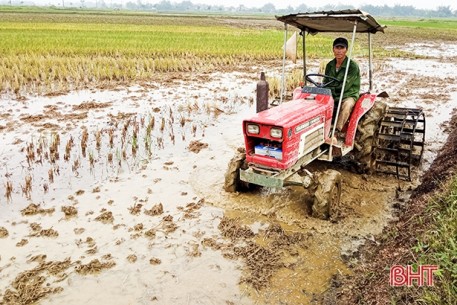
(420,4)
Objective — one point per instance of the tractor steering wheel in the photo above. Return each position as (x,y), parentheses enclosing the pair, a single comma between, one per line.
(322,85)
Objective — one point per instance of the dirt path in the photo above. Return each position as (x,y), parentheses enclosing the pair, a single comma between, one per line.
(115,196)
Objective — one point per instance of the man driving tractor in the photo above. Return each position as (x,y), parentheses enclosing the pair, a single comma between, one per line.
(281,142)
(336,68)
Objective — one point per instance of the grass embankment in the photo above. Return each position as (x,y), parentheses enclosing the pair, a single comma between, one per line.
(429,234)
(438,246)
(425,234)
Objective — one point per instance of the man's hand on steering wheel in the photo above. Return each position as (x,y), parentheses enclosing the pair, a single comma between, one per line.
(322,85)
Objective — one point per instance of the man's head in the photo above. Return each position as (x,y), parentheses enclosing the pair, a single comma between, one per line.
(340,47)
(340,42)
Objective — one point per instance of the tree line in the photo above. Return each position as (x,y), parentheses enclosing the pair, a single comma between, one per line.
(269,8)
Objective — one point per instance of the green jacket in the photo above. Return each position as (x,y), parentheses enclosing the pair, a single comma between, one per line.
(352,88)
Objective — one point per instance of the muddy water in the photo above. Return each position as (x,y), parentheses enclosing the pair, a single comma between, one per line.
(160,255)
(171,264)
(366,208)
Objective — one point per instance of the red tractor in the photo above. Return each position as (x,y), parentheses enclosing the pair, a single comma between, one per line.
(282,141)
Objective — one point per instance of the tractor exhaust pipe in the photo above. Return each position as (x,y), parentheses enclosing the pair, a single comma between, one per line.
(263,89)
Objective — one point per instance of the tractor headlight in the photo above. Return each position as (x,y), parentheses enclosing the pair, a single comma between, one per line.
(276,133)
(254,129)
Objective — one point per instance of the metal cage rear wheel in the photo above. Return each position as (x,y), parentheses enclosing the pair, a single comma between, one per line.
(400,142)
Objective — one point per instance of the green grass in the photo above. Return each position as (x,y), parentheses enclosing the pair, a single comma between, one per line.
(439,247)
(420,30)
(445,24)
(442,242)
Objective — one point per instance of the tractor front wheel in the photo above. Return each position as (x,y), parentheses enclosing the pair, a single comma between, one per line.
(327,196)
(233,182)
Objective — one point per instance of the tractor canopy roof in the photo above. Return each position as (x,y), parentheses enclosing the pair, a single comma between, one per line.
(333,21)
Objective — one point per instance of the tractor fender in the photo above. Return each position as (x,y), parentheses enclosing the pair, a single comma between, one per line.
(363,104)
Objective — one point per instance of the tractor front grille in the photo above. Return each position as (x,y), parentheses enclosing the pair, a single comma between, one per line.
(313,139)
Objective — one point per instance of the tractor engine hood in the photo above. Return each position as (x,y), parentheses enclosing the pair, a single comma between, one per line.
(290,114)
(275,138)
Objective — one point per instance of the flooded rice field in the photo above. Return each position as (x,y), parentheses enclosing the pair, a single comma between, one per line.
(115,195)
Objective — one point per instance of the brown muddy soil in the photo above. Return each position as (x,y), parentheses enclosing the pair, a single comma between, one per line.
(115,196)
(443,167)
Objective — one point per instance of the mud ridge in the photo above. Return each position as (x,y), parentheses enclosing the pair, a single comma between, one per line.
(370,282)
